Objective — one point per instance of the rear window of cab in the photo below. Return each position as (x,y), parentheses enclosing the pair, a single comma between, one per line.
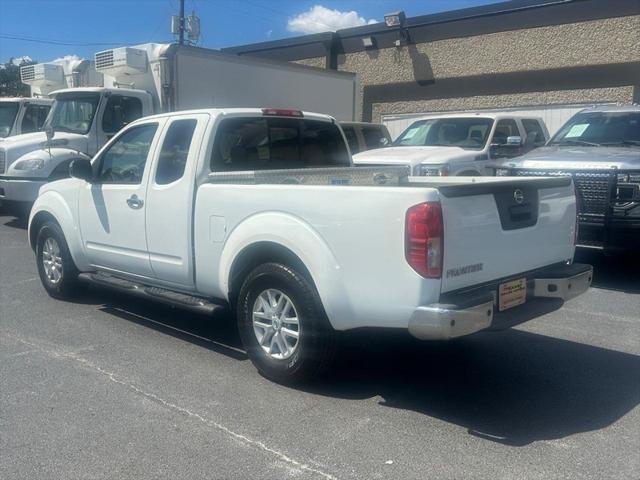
(250,143)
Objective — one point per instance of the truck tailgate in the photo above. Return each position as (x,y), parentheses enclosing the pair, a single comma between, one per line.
(501,227)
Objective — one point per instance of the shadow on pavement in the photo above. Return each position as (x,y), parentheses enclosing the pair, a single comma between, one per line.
(15,222)
(217,334)
(510,386)
(620,273)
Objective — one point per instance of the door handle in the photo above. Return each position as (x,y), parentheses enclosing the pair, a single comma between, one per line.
(134,202)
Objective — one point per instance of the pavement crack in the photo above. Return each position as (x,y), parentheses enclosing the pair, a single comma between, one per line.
(112,376)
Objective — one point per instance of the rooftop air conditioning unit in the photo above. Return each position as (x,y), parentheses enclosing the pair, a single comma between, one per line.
(121,61)
(43,75)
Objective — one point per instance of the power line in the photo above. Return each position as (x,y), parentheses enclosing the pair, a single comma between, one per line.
(57,42)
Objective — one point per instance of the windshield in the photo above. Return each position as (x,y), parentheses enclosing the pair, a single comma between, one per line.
(594,129)
(470,133)
(73,112)
(8,112)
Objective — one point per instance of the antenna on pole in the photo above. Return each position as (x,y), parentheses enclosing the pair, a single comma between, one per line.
(181,24)
(181,35)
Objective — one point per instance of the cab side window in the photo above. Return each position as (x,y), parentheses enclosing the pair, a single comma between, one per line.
(505,129)
(499,148)
(175,150)
(352,140)
(124,161)
(374,137)
(120,111)
(535,134)
(34,117)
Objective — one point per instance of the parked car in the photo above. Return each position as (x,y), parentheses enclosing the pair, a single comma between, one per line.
(362,136)
(182,208)
(600,148)
(459,144)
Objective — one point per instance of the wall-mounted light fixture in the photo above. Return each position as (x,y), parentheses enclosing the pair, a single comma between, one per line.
(368,42)
(397,20)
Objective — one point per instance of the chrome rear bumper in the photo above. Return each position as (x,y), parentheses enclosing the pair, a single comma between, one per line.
(467,313)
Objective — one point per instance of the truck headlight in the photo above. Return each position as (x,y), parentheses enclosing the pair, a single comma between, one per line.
(433,170)
(30,164)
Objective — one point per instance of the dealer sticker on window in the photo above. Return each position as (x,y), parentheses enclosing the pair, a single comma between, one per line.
(511,294)
(577,130)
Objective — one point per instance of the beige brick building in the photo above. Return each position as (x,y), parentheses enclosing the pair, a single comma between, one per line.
(518,54)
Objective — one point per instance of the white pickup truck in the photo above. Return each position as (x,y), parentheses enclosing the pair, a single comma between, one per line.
(459,144)
(213,208)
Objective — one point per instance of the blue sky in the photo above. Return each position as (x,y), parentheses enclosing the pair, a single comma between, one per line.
(82,27)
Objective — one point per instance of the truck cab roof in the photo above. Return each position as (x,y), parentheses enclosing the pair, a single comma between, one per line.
(238,112)
(95,90)
(41,101)
(612,108)
(492,115)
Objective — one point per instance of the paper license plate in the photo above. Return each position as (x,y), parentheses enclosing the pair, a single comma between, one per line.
(511,294)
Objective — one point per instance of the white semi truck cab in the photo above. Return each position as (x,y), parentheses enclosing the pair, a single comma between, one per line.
(81,121)
(142,80)
(20,115)
(27,158)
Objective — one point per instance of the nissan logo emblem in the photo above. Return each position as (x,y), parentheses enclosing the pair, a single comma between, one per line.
(518,196)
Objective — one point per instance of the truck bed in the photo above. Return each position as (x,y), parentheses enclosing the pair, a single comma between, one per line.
(349,225)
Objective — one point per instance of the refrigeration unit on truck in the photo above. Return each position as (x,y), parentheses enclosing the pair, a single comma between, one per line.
(20,115)
(299,252)
(154,78)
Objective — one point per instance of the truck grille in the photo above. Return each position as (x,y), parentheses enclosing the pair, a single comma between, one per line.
(3,161)
(104,59)
(595,189)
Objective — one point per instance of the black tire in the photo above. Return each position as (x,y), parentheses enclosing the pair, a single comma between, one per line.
(67,286)
(315,346)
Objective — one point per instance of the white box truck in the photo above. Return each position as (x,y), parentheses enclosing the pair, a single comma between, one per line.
(153,78)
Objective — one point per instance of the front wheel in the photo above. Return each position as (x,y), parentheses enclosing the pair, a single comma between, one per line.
(58,273)
(283,325)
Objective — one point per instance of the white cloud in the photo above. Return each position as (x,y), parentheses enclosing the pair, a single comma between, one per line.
(321,19)
(19,60)
(67,57)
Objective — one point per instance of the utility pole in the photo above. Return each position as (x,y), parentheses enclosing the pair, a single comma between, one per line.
(181,25)
(181,35)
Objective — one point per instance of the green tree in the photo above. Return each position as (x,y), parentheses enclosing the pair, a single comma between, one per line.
(10,84)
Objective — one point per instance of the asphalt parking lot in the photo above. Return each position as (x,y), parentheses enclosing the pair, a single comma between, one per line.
(112,387)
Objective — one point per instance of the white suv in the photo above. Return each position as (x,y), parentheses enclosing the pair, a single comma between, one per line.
(459,144)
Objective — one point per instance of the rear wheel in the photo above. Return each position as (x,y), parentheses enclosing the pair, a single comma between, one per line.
(283,325)
(58,273)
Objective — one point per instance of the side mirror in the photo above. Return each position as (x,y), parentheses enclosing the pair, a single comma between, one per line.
(514,141)
(81,168)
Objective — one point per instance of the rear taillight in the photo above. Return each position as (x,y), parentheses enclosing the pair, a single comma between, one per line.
(424,245)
